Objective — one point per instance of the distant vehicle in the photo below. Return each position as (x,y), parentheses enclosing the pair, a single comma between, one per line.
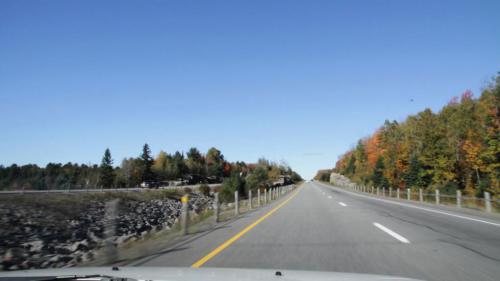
(150,184)
(282,180)
(213,179)
(193,179)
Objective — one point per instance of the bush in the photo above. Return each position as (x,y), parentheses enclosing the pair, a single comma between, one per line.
(230,185)
(205,189)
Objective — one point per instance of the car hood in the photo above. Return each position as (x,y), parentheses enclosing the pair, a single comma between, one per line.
(199,274)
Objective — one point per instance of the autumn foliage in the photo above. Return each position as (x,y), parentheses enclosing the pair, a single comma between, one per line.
(455,148)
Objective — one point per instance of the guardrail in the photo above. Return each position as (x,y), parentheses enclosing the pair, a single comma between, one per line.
(486,203)
(189,222)
(239,206)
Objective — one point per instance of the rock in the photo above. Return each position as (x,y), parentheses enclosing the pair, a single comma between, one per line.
(49,239)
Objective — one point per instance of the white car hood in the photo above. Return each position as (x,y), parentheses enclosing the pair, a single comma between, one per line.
(200,274)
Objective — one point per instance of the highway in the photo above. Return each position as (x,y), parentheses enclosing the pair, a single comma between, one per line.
(319,227)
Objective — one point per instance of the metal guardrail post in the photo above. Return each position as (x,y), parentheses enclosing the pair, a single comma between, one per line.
(184,214)
(250,199)
(487,201)
(408,194)
(397,193)
(216,207)
(459,199)
(258,197)
(420,195)
(437,196)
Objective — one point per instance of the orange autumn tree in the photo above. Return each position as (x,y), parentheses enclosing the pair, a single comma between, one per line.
(457,148)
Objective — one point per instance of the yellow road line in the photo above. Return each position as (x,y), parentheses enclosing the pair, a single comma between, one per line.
(241,233)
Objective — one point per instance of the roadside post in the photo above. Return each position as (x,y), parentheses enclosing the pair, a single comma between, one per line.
(236,204)
(390,191)
(487,201)
(184,214)
(408,194)
(258,197)
(216,207)
(377,191)
(383,191)
(459,199)
(250,199)
(397,193)
(437,196)
(265,196)
(420,195)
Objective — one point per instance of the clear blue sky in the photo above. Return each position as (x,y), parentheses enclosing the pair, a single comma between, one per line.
(299,81)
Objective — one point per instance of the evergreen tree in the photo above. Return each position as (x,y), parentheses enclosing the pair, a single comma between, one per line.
(107,175)
(378,178)
(412,177)
(146,163)
(351,166)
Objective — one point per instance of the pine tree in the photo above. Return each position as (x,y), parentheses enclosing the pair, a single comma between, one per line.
(378,178)
(412,177)
(147,162)
(107,175)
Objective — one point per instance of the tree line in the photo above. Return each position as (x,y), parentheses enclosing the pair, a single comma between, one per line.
(457,148)
(192,167)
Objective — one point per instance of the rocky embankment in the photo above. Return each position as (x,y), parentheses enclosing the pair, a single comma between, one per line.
(340,180)
(58,232)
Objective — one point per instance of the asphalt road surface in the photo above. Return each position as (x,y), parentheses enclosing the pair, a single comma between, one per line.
(319,227)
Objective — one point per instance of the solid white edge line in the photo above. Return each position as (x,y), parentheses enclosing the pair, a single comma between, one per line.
(419,208)
(342,204)
(392,233)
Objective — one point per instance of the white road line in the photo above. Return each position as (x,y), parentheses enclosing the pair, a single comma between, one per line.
(342,204)
(391,233)
(329,197)
(422,208)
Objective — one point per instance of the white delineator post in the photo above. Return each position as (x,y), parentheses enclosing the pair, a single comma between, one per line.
(250,199)
(258,197)
(420,195)
(437,196)
(236,204)
(184,214)
(487,201)
(408,194)
(397,193)
(459,199)
(216,207)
